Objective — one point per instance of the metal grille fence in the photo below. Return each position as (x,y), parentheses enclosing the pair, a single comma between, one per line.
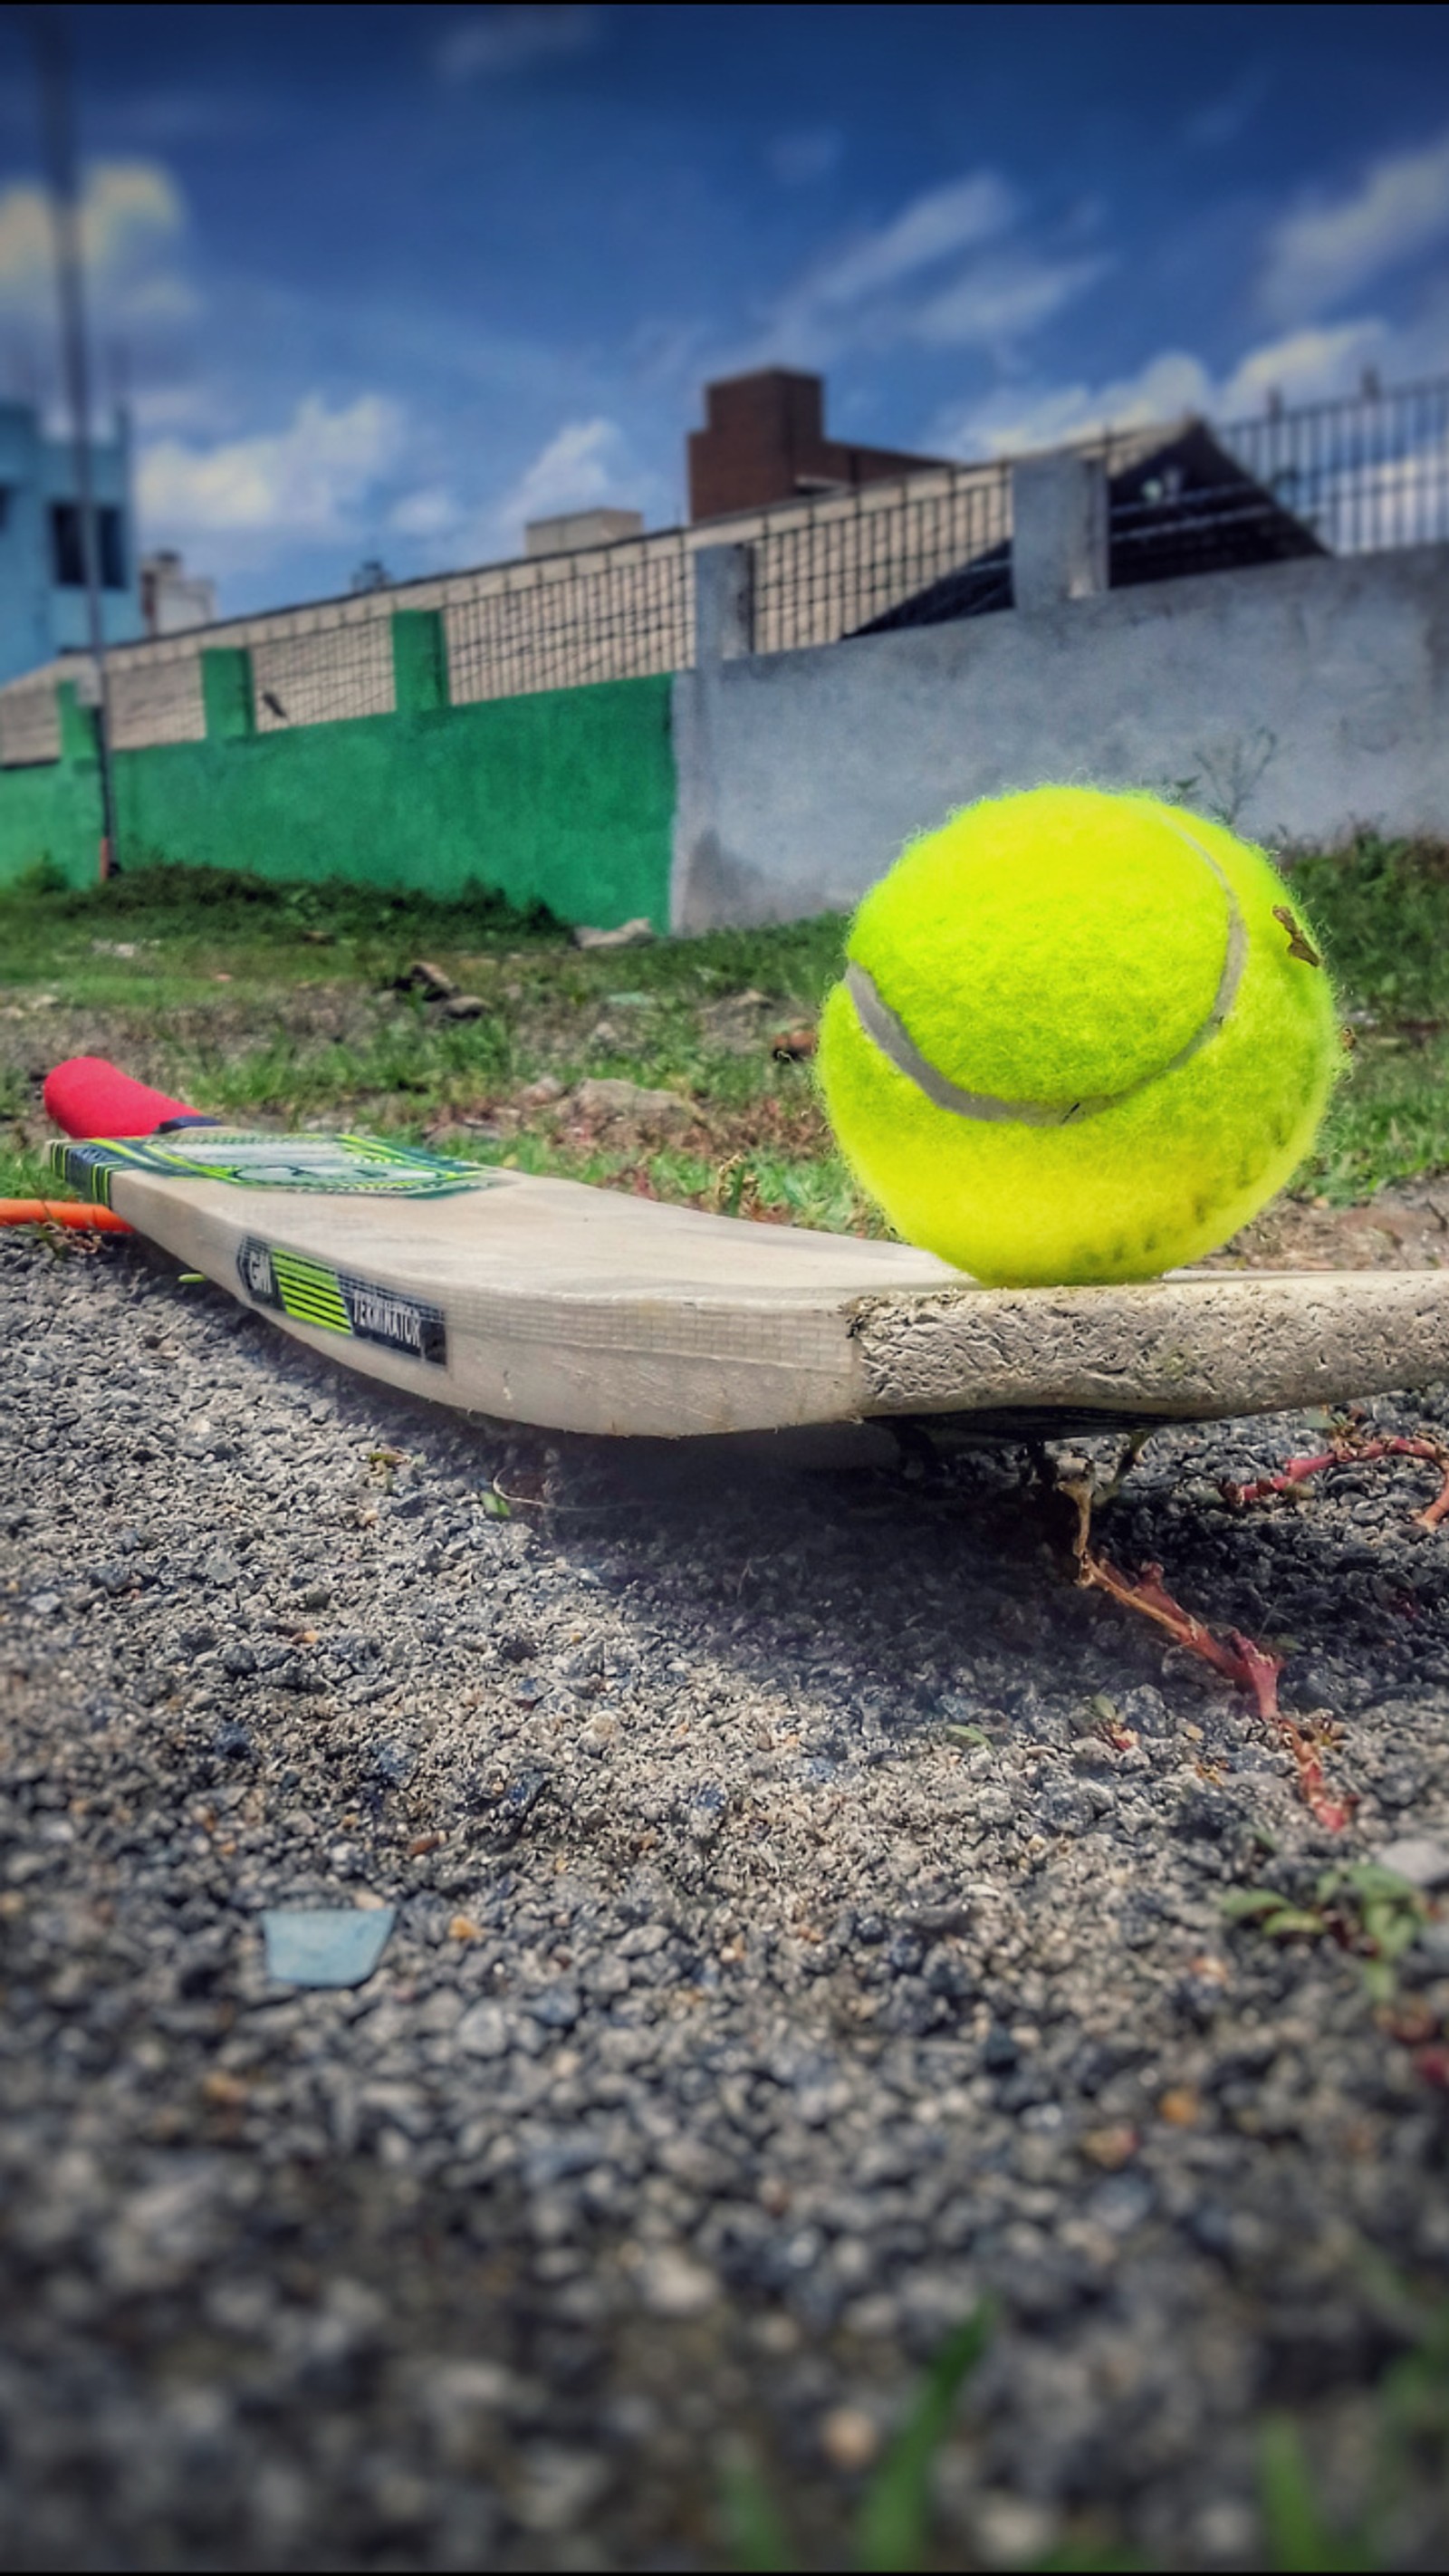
(1363,475)
(612,613)
(157,700)
(1356,476)
(29,725)
(323,668)
(1346,477)
(848,565)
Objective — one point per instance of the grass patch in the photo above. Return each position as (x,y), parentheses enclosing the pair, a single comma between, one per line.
(1402,2466)
(269,1003)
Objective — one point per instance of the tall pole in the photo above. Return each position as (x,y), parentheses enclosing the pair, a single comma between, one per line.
(52,53)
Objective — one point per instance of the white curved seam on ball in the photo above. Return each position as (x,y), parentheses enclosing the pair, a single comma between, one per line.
(895,1042)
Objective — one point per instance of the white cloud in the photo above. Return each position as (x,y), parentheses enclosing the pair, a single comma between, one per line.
(999,300)
(512,38)
(133,220)
(953,218)
(429,512)
(945,271)
(1303,366)
(1322,253)
(586,466)
(301,481)
(1010,422)
(808,153)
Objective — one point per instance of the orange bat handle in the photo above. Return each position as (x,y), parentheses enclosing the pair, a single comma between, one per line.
(95,1220)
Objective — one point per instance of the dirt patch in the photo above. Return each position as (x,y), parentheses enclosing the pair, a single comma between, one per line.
(1402,1228)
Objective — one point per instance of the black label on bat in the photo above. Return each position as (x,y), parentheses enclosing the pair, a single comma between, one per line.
(337,1301)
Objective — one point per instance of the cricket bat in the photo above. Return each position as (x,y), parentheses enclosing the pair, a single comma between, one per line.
(578,1309)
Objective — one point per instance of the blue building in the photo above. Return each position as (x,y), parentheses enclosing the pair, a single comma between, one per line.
(42,562)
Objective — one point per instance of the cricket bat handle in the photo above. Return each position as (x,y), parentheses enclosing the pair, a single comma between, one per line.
(89,1097)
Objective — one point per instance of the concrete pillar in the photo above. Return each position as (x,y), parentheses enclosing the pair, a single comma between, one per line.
(1059,528)
(226,693)
(723,604)
(419,660)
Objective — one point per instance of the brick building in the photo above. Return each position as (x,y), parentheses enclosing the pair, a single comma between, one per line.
(764,440)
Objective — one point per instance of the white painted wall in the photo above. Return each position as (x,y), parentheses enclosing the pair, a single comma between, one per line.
(1300,699)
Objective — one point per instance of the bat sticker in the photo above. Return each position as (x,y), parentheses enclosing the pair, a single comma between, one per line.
(337,1301)
(351,1166)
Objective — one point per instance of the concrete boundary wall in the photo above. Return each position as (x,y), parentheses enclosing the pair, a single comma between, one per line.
(1298,700)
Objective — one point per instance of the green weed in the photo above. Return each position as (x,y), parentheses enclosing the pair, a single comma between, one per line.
(891,2525)
(1369,1911)
(892,2521)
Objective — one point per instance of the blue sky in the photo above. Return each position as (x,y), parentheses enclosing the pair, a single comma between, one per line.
(392,280)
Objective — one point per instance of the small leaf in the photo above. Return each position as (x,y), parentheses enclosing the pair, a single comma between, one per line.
(1300,2542)
(496,1506)
(1293,1918)
(1368,1879)
(759,2542)
(1246,1904)
(895,2512)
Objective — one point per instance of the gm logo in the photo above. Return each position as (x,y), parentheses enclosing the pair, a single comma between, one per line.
(254,1269)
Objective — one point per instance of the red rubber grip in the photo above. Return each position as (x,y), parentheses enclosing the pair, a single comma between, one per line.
(88,1097)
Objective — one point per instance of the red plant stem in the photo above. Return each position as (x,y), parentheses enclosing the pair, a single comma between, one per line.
(1248,1666)
(1296,1471)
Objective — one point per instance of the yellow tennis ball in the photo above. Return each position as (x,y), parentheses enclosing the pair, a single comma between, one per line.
(1080,1037)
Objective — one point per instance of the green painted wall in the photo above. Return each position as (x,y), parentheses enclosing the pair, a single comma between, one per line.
(565,798)
(53,814)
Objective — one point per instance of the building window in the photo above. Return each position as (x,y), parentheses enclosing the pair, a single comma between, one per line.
(67,553)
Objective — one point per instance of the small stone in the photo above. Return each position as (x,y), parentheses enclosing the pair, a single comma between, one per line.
(426,978)
(1419,1859)
(608,1098)
(630,934)
(1111,2148)
(1011,2531)
(848,2438)
(671,2285)
(324,1945)
(484,2031)
(556,2007)
(228,2092)
(1121,2204)
(1180,2107)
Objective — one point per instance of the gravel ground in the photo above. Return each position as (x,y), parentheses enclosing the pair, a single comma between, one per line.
(784,1957)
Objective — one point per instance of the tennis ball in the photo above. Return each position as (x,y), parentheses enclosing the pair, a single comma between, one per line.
(1080,1037)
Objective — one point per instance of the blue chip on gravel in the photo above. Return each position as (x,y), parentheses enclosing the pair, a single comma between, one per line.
(325,1945)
